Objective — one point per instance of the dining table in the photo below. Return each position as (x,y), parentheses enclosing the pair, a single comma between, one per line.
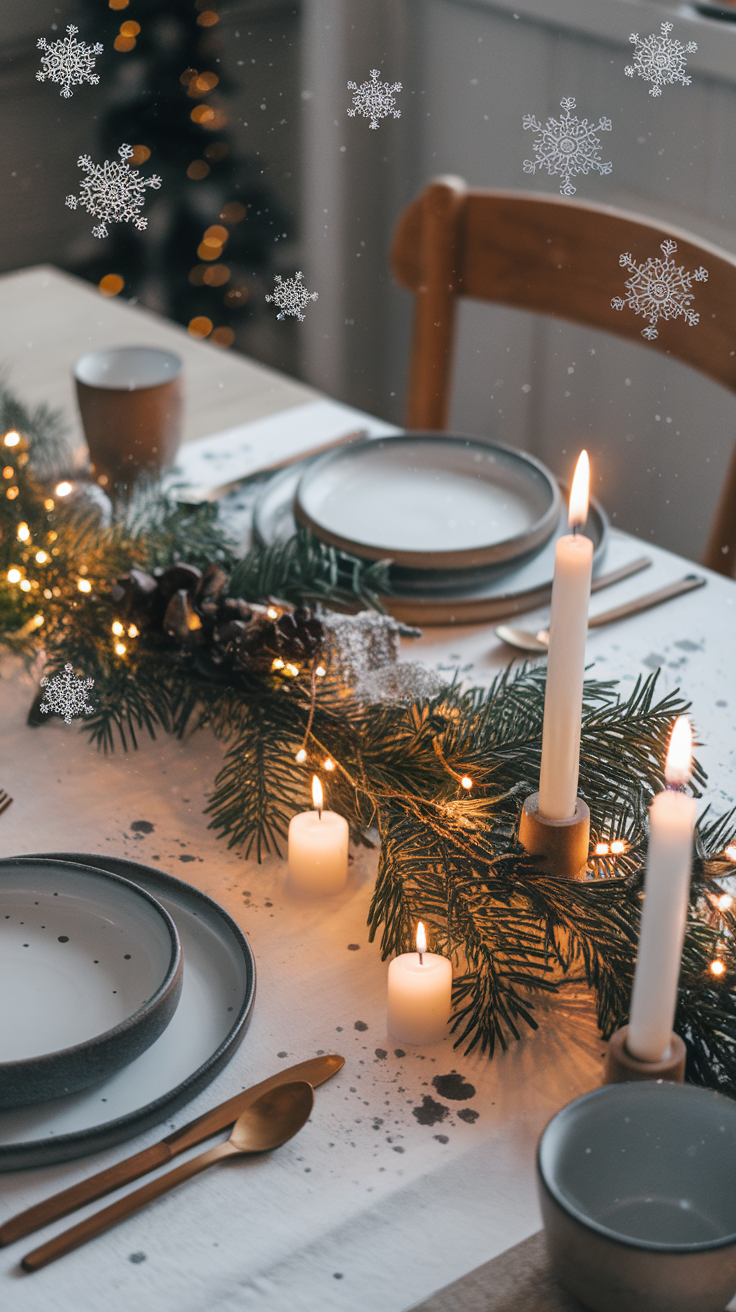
(413,1183)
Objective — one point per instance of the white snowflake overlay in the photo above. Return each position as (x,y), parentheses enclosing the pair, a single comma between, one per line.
(113,192)
(659,290)
(660,60)
(291,296)
(66,695)
(567,146)
(68,62)
(374,99)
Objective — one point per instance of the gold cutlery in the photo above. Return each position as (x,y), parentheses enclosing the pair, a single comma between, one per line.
(539,641)
(269,1122)
(315,1071)
(5,801)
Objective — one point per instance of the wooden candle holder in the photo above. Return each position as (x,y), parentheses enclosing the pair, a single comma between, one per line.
(563,844)
(621,1066)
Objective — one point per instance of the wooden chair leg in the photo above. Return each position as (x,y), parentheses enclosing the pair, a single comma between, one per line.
(434,314)
(720,553)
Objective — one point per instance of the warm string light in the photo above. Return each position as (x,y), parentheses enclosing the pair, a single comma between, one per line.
(616,848)
(717,967)
(466,782)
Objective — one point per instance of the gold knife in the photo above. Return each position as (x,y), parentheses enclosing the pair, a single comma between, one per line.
(315,1072)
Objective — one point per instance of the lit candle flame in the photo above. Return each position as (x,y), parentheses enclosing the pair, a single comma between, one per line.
(317,796)
(580,492)
(421,940)
(679,763)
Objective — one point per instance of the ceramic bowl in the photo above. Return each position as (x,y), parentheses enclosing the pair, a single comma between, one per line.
(90,976)
(637,1184)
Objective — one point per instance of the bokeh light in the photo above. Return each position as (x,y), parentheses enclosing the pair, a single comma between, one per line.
(200,326)
(111,285)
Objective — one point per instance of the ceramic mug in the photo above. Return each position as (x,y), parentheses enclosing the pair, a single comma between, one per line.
(131,401)
(637,1184)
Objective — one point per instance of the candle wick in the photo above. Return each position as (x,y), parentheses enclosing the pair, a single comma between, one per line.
(574,530)
(421,958)
(319,812)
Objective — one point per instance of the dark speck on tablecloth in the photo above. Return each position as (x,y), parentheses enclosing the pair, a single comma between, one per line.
(653,660)
(453,1086)
(442,1138)
(184,857)
(360,1025)
(399,1052)
(381,1054)
(137,1257)
(430,1112)
(353,947)
(467,1114)
(142,827)
(282,1054)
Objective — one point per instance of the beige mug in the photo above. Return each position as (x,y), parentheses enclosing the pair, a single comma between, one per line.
(131,402)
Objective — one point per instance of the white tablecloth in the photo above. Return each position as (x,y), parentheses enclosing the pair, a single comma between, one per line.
(371,1206)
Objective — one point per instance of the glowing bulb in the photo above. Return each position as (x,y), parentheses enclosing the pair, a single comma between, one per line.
(579,492)
(679,763)
(328,764)
(301,756)
(24,532)
(41,557)
(602,849)
(320,671)
(466,781)
(14,575)
(38,620)
(117,629)
(120,648)
(730,851)
(725,901)
(421,939)
(132,631)
(25,585)
(8,471)
(272,613)
(317,794)
(277,664)
(63,489)
(12,438)
(292,670)
(49,504)
(717,967)
(84,585)
(617,847)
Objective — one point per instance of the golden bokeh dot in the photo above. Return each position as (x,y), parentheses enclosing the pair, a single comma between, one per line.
(8,471)
(223,337)
(209,251)
(233,212)
(196,275)
(129,28)
(208,18)
(111,285)
(218,120)
(188,76)
(200,326)
(11,493)
(198,169)
(206,81)
(216,275)
(118,4)
(139,156)
(216,234)
(124,43)
(202,114)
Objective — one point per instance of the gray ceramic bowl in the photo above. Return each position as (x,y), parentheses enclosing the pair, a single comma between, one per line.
(637,1185)
(90,976)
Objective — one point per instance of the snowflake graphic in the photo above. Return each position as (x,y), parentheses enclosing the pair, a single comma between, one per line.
(374,99)
(113,192)
(68,62)
(66,695)
(291,296)
(567,146)
(659,290)
(660,60)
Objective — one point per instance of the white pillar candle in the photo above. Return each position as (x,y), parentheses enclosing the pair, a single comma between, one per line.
(666,891)
(419,994)
(568,630)
(318,849)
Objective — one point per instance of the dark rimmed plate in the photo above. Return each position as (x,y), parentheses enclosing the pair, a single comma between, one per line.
(210,1022)
(90,976)
(429,501)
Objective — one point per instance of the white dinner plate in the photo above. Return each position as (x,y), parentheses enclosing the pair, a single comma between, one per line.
(429,501)
(209,1023)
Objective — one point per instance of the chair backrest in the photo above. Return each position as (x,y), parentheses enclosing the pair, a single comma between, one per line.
(557,257)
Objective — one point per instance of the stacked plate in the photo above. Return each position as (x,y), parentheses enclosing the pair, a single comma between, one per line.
(469,525)
(124,991)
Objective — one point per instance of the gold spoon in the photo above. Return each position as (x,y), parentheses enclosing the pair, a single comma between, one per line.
(539,642)
(274,1118)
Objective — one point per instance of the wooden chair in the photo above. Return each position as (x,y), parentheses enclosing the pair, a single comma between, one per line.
(558,257)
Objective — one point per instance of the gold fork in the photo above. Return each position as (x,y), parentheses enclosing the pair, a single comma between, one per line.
(5,801)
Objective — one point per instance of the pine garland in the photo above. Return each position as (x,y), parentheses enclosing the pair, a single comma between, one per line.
(448,856)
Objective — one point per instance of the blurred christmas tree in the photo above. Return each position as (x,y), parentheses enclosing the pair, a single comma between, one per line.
(204,258)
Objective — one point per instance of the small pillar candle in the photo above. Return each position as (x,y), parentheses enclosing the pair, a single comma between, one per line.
(419,994)
(568,630)
(666,893)
(318,849)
